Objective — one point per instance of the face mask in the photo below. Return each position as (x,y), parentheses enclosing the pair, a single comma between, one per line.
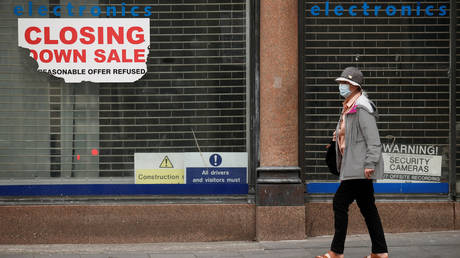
(344,90)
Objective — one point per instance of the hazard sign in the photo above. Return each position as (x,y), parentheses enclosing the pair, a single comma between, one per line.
(158,168)
(166,163)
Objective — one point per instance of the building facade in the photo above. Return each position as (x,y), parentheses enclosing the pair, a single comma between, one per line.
(216,129)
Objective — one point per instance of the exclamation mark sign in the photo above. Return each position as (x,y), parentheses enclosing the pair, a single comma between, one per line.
(215,160)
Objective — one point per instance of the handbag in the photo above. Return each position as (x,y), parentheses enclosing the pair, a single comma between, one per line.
(331,160)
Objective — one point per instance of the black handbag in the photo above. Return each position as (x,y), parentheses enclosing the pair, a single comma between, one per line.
(331,159)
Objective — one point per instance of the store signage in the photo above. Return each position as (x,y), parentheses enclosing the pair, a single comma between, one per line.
(78,10)
(93,50)
(159,168)
(191,168)
(375,9)
(412,162)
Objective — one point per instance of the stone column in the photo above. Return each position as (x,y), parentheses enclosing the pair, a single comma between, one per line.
(280,204)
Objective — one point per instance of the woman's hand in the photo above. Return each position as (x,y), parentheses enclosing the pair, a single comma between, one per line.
(368,172)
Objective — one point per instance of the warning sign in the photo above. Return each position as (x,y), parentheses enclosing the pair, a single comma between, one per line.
(157,168)
(191,168)
(412,162)
(166,163)
(216,168)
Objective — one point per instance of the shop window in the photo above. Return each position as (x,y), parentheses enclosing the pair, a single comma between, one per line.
(194,93)
(405,61)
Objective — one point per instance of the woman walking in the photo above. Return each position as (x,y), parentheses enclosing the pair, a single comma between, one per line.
(359,160)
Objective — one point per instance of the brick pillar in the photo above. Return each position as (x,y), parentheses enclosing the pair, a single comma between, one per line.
(280,210)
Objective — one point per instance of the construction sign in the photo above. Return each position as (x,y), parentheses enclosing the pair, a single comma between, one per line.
(191,168)
(158,168)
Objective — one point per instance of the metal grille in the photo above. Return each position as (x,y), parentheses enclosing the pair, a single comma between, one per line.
(24,105)
(196,82)
(458,98)
(405,61)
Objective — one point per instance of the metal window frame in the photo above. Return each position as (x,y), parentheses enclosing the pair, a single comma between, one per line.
(452,101)
(254,88)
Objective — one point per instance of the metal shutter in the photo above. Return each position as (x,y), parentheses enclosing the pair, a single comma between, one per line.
(405,61)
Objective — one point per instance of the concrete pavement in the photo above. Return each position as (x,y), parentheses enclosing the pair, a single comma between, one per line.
(405,245)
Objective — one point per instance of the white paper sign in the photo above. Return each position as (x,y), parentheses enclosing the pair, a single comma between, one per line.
(404,162)
(95,50)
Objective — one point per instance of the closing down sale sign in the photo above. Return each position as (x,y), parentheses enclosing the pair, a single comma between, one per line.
(95,50)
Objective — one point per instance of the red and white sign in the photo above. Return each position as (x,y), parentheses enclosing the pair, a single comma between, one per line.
(94,50)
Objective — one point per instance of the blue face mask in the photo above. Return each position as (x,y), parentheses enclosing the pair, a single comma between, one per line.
(344,90)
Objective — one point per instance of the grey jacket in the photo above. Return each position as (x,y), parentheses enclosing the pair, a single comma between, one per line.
(362,142)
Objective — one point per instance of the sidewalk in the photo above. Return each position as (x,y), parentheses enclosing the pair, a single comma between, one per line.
(406,245)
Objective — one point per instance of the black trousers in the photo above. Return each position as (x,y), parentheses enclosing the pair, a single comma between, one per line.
(361,190)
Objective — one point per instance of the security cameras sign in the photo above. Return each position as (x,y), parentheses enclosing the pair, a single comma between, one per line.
(412,162)
(88,49)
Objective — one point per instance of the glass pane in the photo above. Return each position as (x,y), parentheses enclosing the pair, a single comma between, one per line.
(196,82)
(405,61)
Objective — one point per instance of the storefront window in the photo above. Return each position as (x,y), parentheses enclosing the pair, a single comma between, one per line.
(193,96)
(403,51)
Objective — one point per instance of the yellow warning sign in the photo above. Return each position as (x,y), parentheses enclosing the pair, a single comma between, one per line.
(166,163)
(160,176)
